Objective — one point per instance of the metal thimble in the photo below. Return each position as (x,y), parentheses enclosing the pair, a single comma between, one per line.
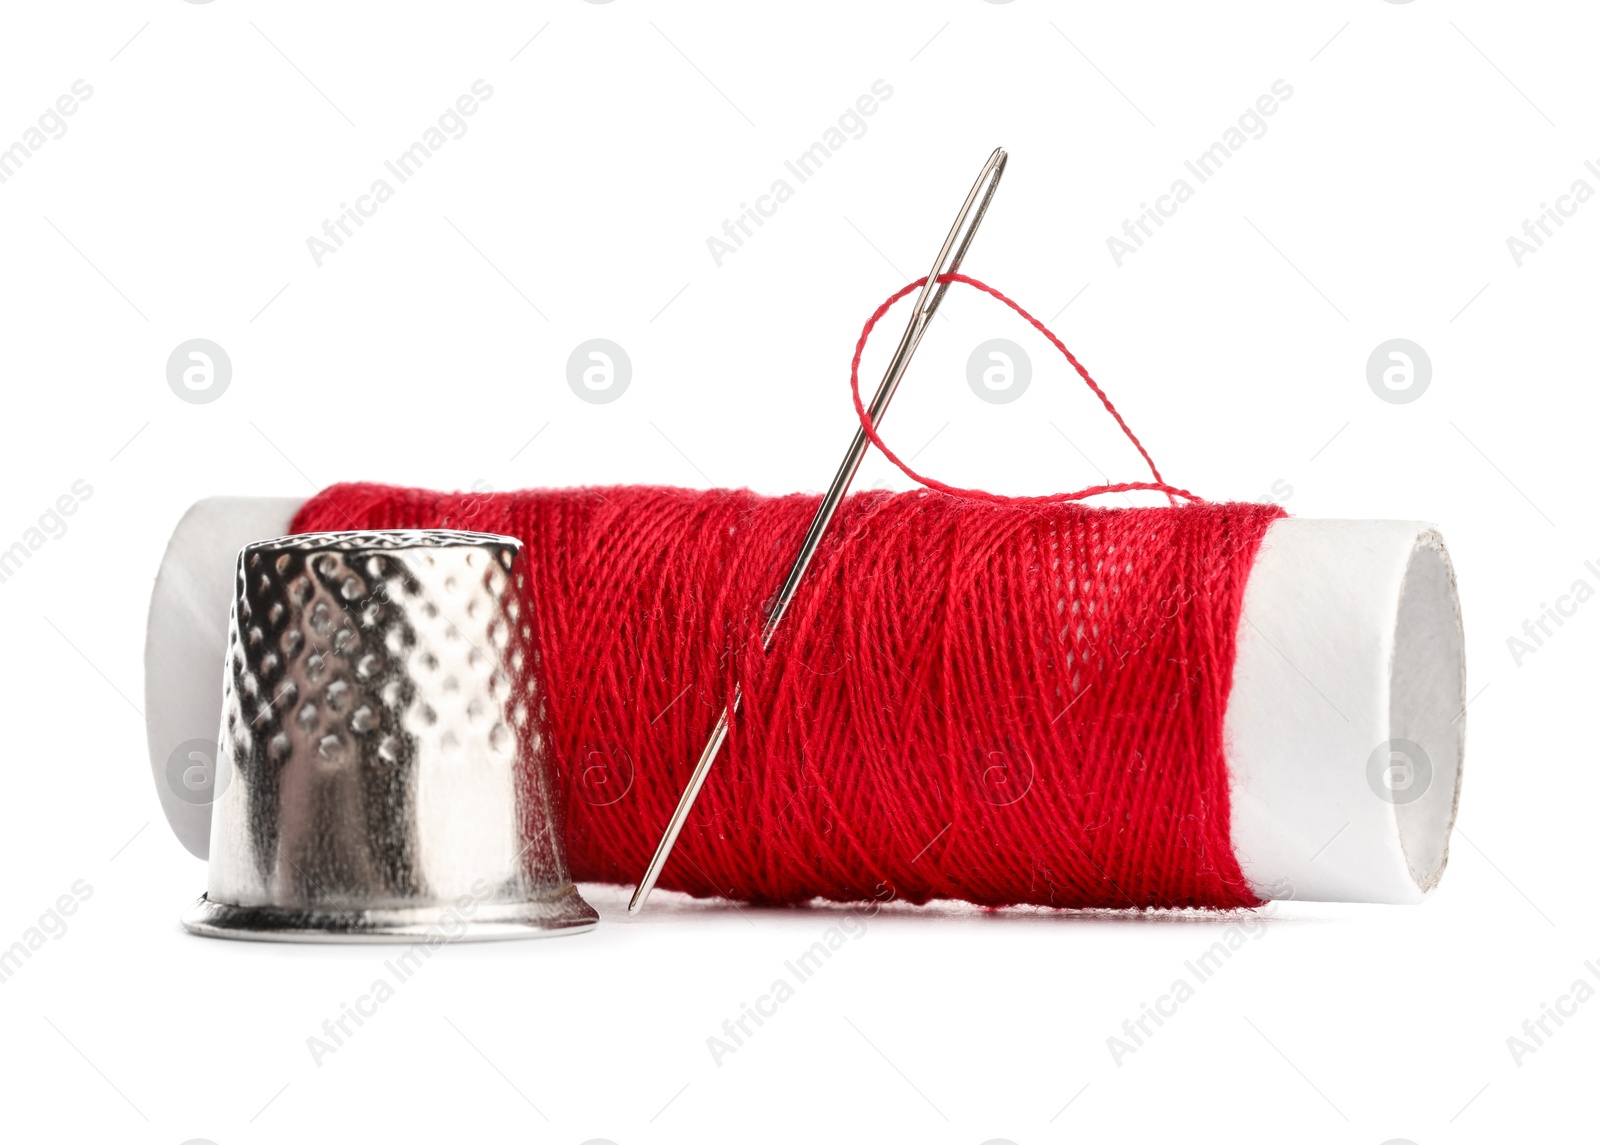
(383,766)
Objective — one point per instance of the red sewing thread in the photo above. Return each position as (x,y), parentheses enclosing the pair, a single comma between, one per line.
(993,699)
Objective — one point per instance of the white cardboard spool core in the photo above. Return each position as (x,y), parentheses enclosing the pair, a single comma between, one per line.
(186,639)
(1344,726)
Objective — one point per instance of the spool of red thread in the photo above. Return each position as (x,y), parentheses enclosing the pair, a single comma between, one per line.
(1000,704)
(989,699)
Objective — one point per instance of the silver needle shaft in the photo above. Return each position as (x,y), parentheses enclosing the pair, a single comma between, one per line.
(933,291)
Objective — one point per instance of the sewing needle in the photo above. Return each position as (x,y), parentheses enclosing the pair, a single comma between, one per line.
(933,291)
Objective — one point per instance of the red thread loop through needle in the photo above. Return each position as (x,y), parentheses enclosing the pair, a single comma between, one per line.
(1158,485)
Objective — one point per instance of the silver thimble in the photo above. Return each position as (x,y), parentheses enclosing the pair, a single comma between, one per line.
(383,767)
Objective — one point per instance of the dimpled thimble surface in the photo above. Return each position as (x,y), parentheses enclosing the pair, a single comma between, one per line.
(383,756)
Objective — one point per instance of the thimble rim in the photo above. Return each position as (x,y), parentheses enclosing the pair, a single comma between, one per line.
(382,540)
(546,917)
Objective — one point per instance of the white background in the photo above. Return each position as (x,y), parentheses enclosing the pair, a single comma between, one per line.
(432,347)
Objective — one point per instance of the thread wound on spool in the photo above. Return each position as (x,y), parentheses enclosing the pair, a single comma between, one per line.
(1003,702)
